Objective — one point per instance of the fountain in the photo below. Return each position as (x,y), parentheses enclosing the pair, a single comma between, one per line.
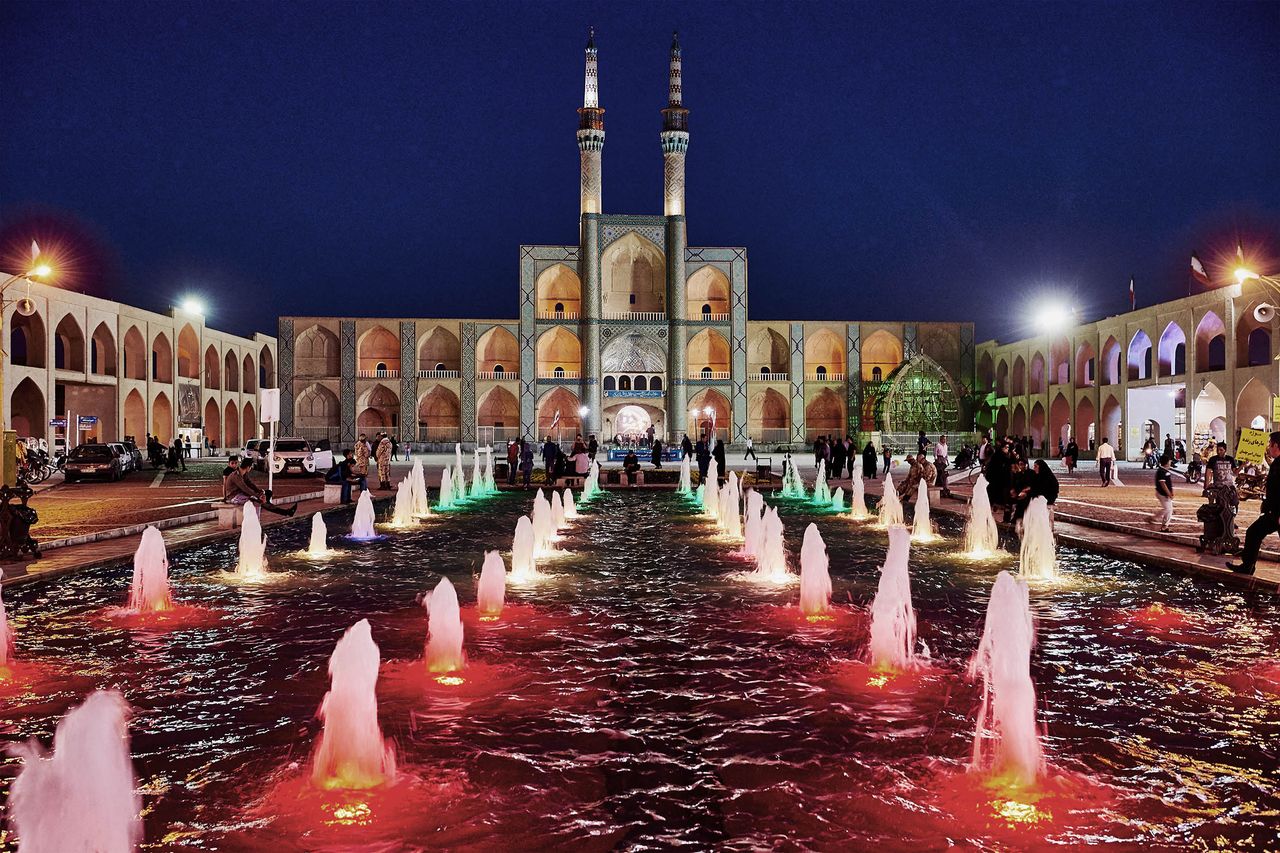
(319,545)
(6,635)
(418,489)
(711,495)
(477,476)
(858,500)
(700,495)
(253,545)
(490,485)
(492,587)
(771,565)
(444,629)
(1037,557)
(730,500)
(362,524)
(890,508)
(591,484)
(445,501)
(570,511)
(893,619)
(754,528)
(686,477)
(837,500)
(352,752)
(557,511)
(981,536)
(1006,742)
(459,475)
(921,526)
(523,569)
(821,491)
(543,526)
(83,797)
(815,580)
(150,590)
(792,485)
(402,515)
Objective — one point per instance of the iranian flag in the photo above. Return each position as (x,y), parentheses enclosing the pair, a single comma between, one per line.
(1197,269)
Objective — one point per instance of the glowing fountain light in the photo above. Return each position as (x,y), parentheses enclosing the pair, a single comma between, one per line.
(459,475)
(1006,742)
(981,536)
(921,526)
(402,515)
(444,630)
(771,565)
(570,510)
(6,636)
(1038,557)
(700,495)
(543,526)
(557,511)
(362,523)
(252,561)
(686,477)
(418,489)
(490,485)
(84,796)
(446,499)
(591,484)
(491,589)
(149,592)
(858,500)
(792,485)
(318,547)
(477,476)
(753,531)
(837,500)
(352,754)
(711,494)
(890,509)
(730,500)
(815,580)
(821,491)
(893,618)
(523,545)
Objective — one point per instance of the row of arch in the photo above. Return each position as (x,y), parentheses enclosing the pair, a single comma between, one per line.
(224,426)
(633,278)
(316,352)
(27,348)
(1142,359)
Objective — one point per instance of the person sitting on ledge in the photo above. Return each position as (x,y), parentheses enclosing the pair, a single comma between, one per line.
(630,466)
(1268,520)
(344,474)
(233,465)
(241,490)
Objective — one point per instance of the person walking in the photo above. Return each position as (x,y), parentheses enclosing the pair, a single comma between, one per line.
(1071,457)
(178,456)
(922,442)
(1164,493)
(751,451)
(940,453)
(1268,520)
(360,465)
(395,449)
(593,447)
(383,456)
(703,458)
(888,457)
(1106,458)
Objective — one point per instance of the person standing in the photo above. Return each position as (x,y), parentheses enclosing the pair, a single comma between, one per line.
(703,458)
(656,456)
(888,457)
(869,462)
(1106,458)
(922,442)
(1071,456)
(395,449)
(686,447)
(550,450)
(360,465)
(1268,520)
(940,453)
(179,454)
(526,464)
(837,459)
(383,456)
(751,451)
(717,453)
(1164,493)
(593,447)
(513,461)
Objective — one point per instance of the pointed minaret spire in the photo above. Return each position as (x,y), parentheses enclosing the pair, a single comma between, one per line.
(675,139)
(590,133)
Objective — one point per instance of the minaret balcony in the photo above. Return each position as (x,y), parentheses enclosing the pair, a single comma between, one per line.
(710,375)
(768,377)
(557,315)
(382,373)
(637,316)
(437,374)
(824,377)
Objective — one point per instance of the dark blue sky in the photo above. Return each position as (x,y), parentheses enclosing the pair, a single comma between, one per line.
(879,160)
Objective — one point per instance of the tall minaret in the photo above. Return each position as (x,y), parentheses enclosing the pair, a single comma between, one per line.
(675,139)
(675,142)
(591,132)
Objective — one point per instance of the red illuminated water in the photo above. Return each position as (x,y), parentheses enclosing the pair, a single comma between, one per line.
(643,696)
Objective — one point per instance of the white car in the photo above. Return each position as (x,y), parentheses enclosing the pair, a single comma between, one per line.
(291,454)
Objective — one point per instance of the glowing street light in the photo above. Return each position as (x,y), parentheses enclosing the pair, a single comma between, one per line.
(583,412)
(1053,317)
(193,305)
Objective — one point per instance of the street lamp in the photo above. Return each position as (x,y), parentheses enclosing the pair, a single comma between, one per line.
(193,305)
(26,307)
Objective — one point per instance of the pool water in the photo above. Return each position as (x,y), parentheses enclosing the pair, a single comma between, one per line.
(645,697)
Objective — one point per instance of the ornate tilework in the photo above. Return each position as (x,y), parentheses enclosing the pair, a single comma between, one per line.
(910,345)
(408,380)
(284,372)
(968,355)
(652,228)
(347,384)
(468,389)
(797,384)
(853,379)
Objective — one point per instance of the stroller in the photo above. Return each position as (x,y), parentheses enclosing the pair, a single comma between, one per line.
(1219,519)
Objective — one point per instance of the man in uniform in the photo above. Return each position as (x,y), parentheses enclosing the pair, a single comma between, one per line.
(383,455)
(1268,520)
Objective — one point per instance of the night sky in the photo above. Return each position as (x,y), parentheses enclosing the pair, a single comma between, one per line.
(879,160)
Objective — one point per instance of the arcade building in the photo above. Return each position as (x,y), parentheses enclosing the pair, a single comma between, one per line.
(627,327)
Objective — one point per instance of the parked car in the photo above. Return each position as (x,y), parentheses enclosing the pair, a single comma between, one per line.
(291,454)
(134,451)
(94,460)
(251,452)
(127,462)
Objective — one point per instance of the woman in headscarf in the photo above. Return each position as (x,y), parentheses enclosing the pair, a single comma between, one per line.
(869,462)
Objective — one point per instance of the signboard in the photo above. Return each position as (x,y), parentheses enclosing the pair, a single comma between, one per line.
(633,393)
(269,405)
(87,420)
(1275,409)
(57,422)
(189,404)
(1252,447)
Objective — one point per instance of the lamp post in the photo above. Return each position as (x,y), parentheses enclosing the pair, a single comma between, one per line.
(37,271)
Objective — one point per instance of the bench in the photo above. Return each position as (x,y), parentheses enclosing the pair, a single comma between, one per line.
(333,492)
(230,516)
